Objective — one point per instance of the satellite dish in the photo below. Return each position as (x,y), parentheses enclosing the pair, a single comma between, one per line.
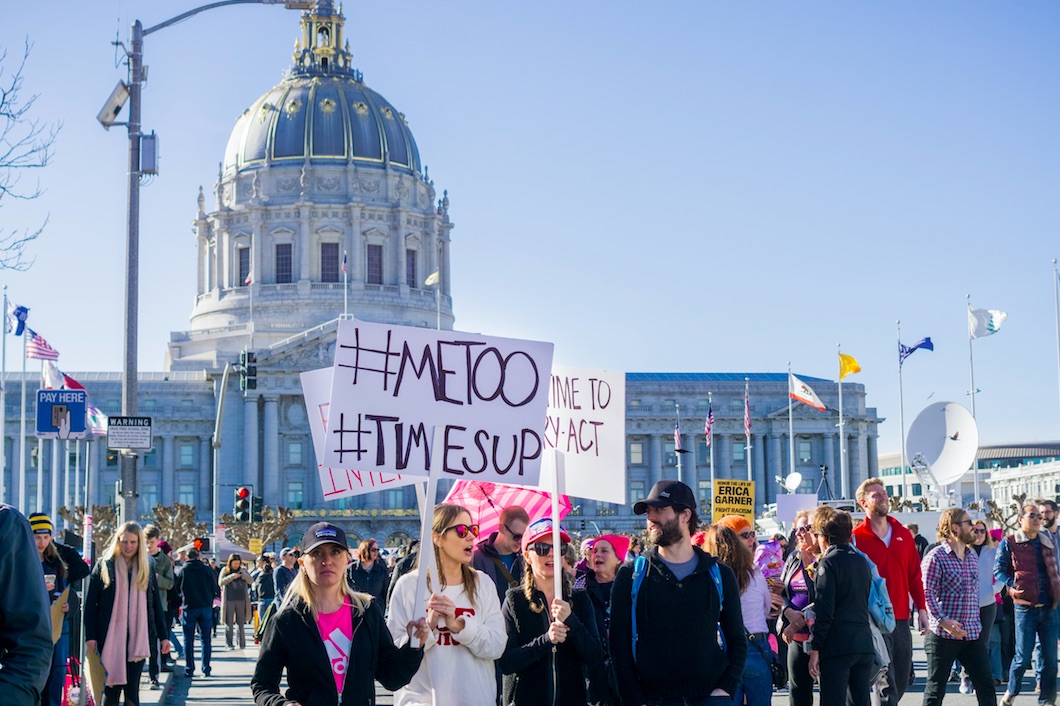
(946,437)
(793,481)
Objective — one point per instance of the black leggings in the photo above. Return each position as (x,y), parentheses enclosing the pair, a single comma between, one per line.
(131,687)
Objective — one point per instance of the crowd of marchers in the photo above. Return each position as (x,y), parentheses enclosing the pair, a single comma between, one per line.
(704,615)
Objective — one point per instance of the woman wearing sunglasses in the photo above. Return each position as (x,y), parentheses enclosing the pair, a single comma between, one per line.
(548,634)
(331,639)
(756,684)
(463,614)
(798,594)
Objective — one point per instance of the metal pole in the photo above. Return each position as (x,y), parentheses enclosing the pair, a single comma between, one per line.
(710,408)
(791,427)
(971,377)
(842,434)
(345,287)
(746,426)
(132,269)
(901,412)
(3,406)
(1056,296)
(66,476)
(54,504)
(438,303)
(77,474)
(677,444)
(215,514)
(22,437)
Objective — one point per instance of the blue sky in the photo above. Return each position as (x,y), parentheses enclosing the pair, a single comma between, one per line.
(683,186)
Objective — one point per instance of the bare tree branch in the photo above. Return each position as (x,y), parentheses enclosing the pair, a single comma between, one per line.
(26,144)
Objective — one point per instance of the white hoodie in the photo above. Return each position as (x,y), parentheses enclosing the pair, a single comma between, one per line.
(457,670)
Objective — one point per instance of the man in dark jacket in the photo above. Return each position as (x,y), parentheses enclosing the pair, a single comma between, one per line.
(1026,564)
(680,612)
(198,586)
(25,620)
(498,554)
(284,574)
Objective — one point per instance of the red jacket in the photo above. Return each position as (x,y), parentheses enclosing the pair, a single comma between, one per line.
(899,564)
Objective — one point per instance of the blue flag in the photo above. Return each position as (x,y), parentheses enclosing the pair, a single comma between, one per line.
(16,317)
(906,351)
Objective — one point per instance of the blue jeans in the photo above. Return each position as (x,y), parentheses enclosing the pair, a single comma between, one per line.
(994,649)
(1031,622)
(202,618)
(57,676)
(756,684)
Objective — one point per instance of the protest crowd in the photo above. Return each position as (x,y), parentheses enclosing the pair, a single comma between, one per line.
(706,614)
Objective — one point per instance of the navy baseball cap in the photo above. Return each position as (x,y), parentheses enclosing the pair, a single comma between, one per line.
(323,533)
(664,493)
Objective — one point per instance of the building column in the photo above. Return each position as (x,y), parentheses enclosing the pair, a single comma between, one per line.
(168,472)
(249,470)
(205,478)
(874,466)
(272,451)
(776,455)
(690,464)
(723,456)
(759,467)
(303,243)
(829,451)
(655,470)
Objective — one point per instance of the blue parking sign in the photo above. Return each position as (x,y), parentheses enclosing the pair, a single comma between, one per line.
(61,414)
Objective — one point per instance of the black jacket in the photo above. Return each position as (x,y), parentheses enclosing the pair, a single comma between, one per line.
(678,655)
(375,582)
(841,604)
(528,658)
(487,557)
(197,585)
(99,605)
(25,621)
(292,642)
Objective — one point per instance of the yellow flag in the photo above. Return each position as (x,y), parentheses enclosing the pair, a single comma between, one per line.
(847,365)
(433,279)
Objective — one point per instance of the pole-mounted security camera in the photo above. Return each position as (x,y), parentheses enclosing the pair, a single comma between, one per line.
(118,97)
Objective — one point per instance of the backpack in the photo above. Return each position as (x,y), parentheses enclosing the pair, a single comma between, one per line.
(640,568)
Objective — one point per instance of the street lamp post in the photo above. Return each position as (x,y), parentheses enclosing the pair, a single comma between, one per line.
(132,241)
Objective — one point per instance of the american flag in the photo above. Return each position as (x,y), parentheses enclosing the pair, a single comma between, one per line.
(343,267)
(677,436)
(746,413)
(37,347)
(708,427)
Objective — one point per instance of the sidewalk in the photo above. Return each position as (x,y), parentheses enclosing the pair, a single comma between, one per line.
(228,683)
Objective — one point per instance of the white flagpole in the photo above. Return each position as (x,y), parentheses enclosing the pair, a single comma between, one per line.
(746,430)
(971,377)
(791,426)
(54,504)
(66,477)
(1056,295)
(22,437)
(557,490)
(901,411)
(345,286)
(710,408)
(3,405)
(677,445)
(842,432)
(77,472)
(251,286)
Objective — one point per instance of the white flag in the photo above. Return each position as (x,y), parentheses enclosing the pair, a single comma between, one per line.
(984,322)
(798,390)
(433,279)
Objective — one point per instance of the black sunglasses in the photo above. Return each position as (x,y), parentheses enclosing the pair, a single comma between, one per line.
(462,530)
(544,548)
(979,531)
(516,536)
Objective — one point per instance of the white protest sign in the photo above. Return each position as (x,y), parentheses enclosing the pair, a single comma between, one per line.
(586,422)
(339,482)
(486,396)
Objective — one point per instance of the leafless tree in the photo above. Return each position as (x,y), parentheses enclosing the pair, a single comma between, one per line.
(26,145)
(104,522)
(176,523)
(272,528)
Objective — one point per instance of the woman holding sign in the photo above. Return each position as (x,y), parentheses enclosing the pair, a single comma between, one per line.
(549,635)
(464,616)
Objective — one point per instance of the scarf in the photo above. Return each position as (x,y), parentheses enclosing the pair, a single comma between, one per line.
(127,632)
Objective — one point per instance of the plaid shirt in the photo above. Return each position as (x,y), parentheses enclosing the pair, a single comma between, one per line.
(951,587)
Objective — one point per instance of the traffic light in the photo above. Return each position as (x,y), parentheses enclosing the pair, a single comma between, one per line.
(255,508)
(242,508)
(202,544)
(248,371)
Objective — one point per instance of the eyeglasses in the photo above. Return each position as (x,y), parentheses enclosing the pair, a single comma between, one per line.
(746,534)
(517,536)
(374,549)
(462,530)
(964,522)
(1033,515)
(803,529)
(544,548)
(979,531)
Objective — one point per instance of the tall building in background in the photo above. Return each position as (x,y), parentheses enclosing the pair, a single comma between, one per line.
(321,199)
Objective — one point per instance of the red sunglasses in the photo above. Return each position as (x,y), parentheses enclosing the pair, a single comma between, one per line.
(462,530)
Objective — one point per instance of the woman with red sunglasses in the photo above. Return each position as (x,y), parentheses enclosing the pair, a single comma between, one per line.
(552,640)
(463,614)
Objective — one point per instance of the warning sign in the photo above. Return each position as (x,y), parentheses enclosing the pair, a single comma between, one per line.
(734,497)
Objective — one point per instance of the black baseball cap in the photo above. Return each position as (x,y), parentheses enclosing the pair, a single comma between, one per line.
(664,493)
(323,533)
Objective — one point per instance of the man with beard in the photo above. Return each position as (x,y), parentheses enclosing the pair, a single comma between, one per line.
(690,641)
(951,587)
(1048,510)
(1026,564)
(892,548)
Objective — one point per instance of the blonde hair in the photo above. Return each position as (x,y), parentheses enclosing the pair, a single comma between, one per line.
(860,494)
(444,515)
(302,589)
(143,569)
